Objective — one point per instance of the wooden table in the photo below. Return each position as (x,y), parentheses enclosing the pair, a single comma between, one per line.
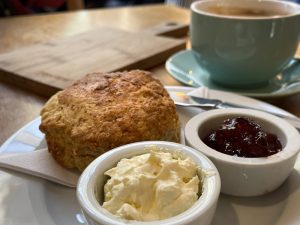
(18,106)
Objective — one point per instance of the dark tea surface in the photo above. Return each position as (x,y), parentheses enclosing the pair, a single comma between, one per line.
(246,12)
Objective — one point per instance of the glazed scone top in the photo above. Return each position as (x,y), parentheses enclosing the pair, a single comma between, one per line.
(123,104)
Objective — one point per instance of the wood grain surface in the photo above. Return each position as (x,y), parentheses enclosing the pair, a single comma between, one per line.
(18,106)
(51,66)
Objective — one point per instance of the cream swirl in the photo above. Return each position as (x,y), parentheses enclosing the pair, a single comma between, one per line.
(152,186)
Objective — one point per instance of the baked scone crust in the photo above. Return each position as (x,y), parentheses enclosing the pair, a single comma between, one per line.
(106,110)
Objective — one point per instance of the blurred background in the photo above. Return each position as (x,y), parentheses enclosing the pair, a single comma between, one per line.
(23,7)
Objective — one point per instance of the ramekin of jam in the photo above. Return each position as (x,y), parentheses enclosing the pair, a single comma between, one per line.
(254,151)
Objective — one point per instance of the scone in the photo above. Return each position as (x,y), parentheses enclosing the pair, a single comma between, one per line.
(106,110)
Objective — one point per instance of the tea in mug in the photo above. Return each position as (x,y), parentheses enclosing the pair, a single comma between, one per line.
(244,12)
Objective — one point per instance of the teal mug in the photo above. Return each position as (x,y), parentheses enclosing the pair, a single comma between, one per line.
(243,44)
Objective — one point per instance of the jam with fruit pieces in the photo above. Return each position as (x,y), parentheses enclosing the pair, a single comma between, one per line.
(243,137)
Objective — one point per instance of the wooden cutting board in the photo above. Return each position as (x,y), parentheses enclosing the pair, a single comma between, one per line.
(48,67)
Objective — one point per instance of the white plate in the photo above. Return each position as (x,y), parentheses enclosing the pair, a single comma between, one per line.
(32,201)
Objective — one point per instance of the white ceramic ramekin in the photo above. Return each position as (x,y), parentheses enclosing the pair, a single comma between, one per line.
(92,180)
(247,176)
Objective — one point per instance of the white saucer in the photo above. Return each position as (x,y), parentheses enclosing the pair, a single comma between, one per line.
(184,68)
(26,200)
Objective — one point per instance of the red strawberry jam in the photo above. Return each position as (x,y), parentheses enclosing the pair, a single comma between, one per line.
(243,137)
